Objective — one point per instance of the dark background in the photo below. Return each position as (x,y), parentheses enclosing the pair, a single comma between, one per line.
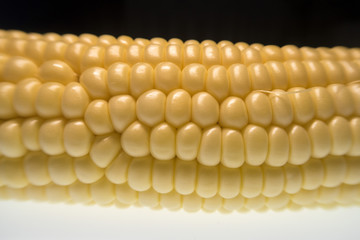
(280,22)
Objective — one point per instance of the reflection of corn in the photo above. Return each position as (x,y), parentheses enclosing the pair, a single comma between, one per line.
(178,125)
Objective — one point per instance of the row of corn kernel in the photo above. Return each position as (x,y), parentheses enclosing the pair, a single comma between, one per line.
(122,196)
(253,145)
(226,50)
(185,177)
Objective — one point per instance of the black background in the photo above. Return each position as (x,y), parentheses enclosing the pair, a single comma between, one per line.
(280,22)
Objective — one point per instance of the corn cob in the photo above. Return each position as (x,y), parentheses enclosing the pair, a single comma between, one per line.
(167,124)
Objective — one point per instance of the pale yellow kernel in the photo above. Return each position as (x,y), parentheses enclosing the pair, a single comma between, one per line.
(278,74)
(56,193)
(259,76)
(135,140)
(291,52)
(73,55)
(259,109)
(117,170)
(30,133)
(296,72)
(16,47)
(241,45)
(205,109)
(56,71)
(271,53)
(167,77)
(122,111)
(279,202)
(309,53)
(217,83)
(185,176)
(316,73)
(10,139)
(74,101)
(240,84)
(178,108)
(25,96)
(94,80)
(171,200)
(274,181)
(341,136)
(193,78)
(342,53)
(313,174)
(61,170)
(79,192)
(141,79)
(7,109)
(52,37)
(250,55)
(207,181)
(305,197)
(212,204)
(256,144)
(35,50)
(154,54)
(319,134)
(125,194)
(77,138)
(114,53)
(252,181)
(282,109)
(326,53)
(192,54)
(233,113)
(93,57)
(162,142)
(342,98)
(104,149)
(323,103)
(174,53)
(12,173)
(328,195)
(293,179)
(257,46)
(86,171)
(279,147)
(334,72)
(188,139)
(118,77)
(139,173)
(150,107)
(229,55)
(97,117)
(35,193)
(142,41)
(163,176)
(303,105)
(18,68)
(106,40)
(36,168)
(233,149)
(353,170)
(229,182)
(300,145)
(70,38)
(55,50)
(210,147)
(335,171)
(210,55)
(102,191)
(255,203)
(175,41)
(355,130)
(51,137)
(235,203)
(134,54)
(351,71)
(149,198)
(48,100)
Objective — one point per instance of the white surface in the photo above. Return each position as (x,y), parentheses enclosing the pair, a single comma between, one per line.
(29,220)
